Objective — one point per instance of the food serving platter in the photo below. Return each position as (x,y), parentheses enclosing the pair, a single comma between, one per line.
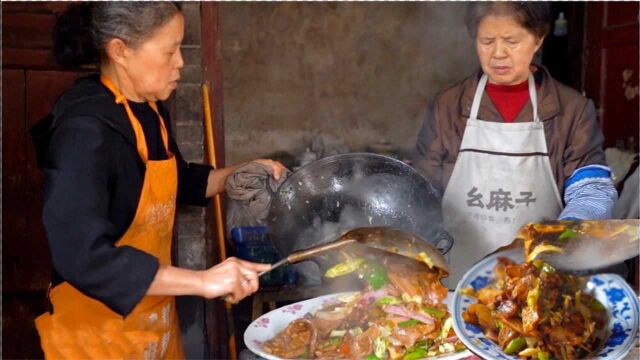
(609,289)
(270,324)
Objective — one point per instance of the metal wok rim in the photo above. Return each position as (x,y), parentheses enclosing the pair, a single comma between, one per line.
(319,163)
(332,158)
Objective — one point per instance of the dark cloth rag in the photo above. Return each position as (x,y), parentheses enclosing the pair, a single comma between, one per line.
(253,186)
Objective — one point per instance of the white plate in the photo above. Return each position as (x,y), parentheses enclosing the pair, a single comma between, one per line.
(610,289)
(270,324)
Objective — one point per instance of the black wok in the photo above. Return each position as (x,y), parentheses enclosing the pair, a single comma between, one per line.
(328,197)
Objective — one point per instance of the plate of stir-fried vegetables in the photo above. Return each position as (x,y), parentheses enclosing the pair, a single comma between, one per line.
(401,313)
(505,308)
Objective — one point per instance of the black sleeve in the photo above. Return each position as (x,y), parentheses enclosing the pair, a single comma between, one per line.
(81,237)
(192,181)
(192,177)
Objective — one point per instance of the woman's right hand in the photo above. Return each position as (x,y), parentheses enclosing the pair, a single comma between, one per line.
(233,277)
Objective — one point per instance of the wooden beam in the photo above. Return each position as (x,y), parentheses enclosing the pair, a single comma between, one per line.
(211,50)
(16,58)
(212,69)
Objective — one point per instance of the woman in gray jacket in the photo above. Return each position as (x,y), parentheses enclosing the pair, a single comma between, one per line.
(509,144)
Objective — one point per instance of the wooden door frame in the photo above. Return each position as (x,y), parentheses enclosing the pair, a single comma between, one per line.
(600,36)
(596,44)
(26,51)
(212,73)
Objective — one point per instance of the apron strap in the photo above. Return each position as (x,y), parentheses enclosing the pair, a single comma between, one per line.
(533,96)
(478,96)
(141,142)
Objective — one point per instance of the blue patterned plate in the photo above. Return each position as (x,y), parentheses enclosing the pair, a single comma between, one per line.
(611,290)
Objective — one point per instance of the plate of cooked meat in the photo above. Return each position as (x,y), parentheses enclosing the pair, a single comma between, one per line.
(402,312)
(505,308)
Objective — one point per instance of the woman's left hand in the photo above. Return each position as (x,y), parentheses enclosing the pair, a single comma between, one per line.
(276,166)
(217,178)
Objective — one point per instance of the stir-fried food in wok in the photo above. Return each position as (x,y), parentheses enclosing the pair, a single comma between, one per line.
(399,315)
(534,311)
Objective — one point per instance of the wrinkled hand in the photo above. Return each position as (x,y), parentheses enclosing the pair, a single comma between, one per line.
(278,168)
(233,277)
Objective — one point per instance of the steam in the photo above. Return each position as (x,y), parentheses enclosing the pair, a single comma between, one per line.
(350,218)
(322,205)
(312,271)
(592,253)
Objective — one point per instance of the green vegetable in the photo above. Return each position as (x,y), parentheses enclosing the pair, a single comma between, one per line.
(372,357)
(375,275)
(388,300)
(595,305)
(420,344)
(543,266)
(515,345)
(344,268)
(538,263)
(408,323)
(415,354)
(567,234)
(379,347)
(434,312)
(543,355)
(533,295)
(446,327)
(548,268)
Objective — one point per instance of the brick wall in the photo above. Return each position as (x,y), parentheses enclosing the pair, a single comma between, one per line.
(190,223)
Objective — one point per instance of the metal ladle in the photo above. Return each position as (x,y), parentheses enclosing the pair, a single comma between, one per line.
(582,247)
(381,238)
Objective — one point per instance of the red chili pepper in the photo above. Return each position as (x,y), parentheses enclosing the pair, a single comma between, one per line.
(345,349)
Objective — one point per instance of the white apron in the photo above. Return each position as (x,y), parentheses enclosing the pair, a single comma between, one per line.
(502,180)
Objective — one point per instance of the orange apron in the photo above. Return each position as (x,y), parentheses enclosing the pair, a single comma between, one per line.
(81,327)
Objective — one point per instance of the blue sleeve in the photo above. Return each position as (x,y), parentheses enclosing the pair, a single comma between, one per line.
(589,193)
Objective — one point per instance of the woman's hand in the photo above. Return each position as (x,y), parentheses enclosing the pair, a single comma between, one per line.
(233,277)
(217,178)
(276,166)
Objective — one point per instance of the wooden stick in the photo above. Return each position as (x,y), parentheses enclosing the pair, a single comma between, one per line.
(217,208)
(211,154)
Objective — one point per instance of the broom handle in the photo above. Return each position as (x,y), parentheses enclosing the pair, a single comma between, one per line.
(217,207)
(211,154)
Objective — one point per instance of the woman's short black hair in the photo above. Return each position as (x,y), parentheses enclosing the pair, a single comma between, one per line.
(532,15)
(82,31)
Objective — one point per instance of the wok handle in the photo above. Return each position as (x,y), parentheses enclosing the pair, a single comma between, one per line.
(275,265)
(305,254)
(444,241)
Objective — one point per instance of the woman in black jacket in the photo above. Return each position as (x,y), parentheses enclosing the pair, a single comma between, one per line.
(113,176)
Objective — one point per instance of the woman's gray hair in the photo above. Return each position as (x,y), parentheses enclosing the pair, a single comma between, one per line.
(82,32)
(131,21)
(533,16)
